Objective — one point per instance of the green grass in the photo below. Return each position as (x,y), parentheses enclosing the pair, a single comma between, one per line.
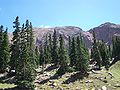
(5,85)
(115,69)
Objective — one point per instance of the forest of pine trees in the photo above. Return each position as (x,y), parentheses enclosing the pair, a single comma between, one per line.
(23,57)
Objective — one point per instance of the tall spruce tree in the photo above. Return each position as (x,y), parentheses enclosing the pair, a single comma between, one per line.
(30,43)
(2,64)
(110,51)
(63,57)
(32,47)
(42,56)
(55,48)
(95,53)
(50,41)
(50,46)
(27,29)
(25,72)
(15,48)
(116,49)
(82,56)
(4,50)
(114,54)
(73,53)
(69,47)
(78,54)
(47,51)
(104,54)
(21,73)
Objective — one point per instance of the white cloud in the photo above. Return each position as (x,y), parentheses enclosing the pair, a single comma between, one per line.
(44,26)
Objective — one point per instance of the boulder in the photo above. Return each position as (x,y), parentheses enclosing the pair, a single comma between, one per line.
(117,85)
(104,88)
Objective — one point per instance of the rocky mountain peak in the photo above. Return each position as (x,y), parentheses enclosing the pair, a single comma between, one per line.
(109,24)
(106,31)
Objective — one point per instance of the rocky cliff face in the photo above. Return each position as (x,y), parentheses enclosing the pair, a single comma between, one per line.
(106,31)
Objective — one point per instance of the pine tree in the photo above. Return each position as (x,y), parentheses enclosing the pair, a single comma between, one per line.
(4,50)
(95,53)
(69,43)
(2,65)
(108,57)
(32,46)
(78,54)
(110,51)
(82,56)
(73,53)
(42,57)
(50,47)
(27,28)
(55,48)
(25,72)
(30,43)
(116,49)
(104,54)
(31,36)
(31,49)
(63,57)
(21,73)
(15,49)
(50,41)
(47,51)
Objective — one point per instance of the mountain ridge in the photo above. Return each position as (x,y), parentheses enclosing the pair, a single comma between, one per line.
(103,32)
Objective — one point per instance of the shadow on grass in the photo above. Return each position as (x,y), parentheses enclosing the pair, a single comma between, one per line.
(7,79)
(16,88)
(55,76)
(74,77)
(52,67)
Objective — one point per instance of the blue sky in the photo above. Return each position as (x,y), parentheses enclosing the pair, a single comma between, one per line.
(44,13)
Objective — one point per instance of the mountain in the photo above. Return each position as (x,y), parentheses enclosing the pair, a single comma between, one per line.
(106,31)
(66,31)
(103,32)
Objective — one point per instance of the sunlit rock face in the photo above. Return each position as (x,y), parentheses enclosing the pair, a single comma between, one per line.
(106,31)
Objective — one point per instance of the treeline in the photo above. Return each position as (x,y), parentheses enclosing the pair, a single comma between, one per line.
(22,57)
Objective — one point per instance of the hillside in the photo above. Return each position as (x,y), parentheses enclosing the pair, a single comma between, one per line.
(103,32)
(106,31)
(66,31)
(97,80)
